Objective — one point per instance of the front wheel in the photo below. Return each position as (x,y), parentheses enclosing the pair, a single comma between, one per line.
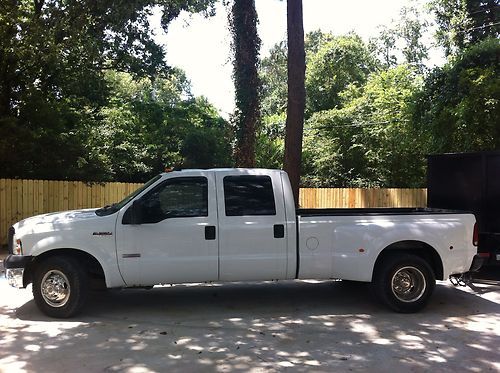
(60,287)
(404,282)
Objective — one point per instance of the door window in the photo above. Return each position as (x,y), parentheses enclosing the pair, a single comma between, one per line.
(249,195)
(181,197)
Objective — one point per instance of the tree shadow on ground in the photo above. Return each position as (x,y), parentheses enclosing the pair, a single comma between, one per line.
(304,326)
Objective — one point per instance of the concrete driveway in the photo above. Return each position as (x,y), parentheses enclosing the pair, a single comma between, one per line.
(255,327)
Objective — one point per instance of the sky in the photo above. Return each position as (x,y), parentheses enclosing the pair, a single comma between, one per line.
(201,46)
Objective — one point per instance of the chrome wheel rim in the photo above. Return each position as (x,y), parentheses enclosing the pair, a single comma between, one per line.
(408,284)
(55,288)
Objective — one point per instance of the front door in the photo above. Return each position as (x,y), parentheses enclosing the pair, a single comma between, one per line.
(175,239)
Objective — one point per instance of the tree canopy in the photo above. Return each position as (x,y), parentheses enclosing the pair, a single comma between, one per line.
(86,93)
(462,23)
(458,109)
(54,83)
(374,111)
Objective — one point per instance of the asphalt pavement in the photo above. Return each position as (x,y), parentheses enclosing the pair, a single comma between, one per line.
(296,326)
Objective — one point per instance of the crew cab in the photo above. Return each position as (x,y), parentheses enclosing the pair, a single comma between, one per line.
(224,225)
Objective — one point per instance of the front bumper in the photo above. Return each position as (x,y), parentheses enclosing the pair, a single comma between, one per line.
(14,269)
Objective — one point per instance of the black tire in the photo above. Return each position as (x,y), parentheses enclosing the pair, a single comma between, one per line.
(404,282)
(60,287)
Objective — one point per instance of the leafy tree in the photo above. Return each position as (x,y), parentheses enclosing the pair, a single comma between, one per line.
(402,41)
(246,44)
(459,108)
(411,29)
(340,62)
(314,41)
(369,140)
(334,150)
(270,147)
(273,71)
(150,124)
(384,46)
(371,123)
(53,57)
(394,152)
(273,76)
(465,22)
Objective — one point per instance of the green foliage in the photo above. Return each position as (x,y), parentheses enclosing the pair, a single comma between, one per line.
(270,142)
(206,148)
(465,22)
(340,62)
(368,141)
(315,40)
(245,45)
(85,93)
(410,29)
(150,124)
(273,76)
(273,70)
(459,108)
(270,135)
(384,48)
(53,87)
(402,40)
(373,123)
(333,150)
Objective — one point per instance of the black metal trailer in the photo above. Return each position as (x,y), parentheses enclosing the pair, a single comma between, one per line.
(471,182)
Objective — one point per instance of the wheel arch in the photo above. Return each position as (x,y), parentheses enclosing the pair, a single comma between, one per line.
(413,247)
(92,266)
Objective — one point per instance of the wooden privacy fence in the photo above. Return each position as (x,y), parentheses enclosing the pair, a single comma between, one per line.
(358,197)
(23,198)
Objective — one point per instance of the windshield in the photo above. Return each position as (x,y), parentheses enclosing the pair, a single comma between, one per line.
(111,209)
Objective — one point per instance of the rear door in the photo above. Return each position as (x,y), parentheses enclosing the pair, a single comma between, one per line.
(252,230)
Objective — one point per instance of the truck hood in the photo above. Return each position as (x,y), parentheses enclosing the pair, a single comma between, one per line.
(56,221)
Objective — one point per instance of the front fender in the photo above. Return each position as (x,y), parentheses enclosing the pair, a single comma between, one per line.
(101,249)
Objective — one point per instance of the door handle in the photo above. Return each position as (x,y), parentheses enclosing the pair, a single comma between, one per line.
(279,231)
(210,232)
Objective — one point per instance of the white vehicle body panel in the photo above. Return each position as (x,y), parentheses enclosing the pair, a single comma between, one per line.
(245,247)
(171,251)
(347,247)
(73,230)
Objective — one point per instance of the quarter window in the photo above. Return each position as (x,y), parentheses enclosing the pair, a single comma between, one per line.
(249,195)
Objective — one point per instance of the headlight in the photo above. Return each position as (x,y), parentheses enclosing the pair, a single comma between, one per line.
(18,247)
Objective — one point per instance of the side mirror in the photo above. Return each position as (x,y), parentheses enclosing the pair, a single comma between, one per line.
(136,212)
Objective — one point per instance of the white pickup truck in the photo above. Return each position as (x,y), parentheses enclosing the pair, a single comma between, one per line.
(234,225)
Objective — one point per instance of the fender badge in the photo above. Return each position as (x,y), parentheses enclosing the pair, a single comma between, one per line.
(102,234)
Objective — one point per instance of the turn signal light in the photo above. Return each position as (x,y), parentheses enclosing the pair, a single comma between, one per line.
(18,247)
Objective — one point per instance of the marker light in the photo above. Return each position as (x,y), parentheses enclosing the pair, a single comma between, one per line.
(18,247)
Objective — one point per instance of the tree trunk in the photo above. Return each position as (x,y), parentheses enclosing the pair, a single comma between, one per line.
(296,95)
(246,44)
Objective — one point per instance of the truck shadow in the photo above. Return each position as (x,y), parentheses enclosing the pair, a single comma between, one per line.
(486,280)
(319,325)
(264,298)
(490,273)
